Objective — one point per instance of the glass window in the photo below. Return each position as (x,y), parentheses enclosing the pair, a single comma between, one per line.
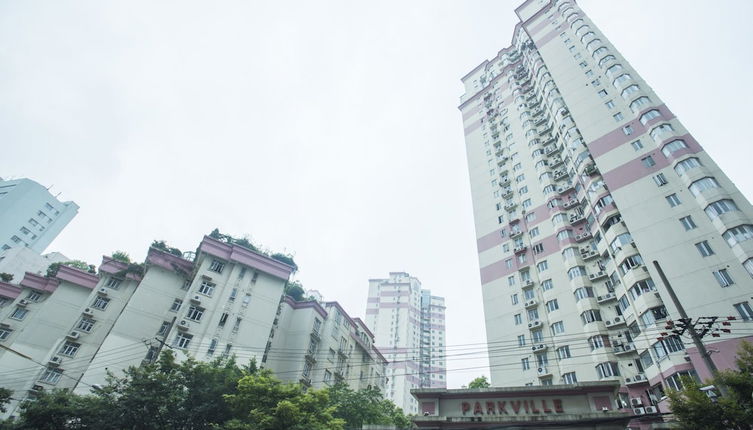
(563,352)
(719,207)
(660,179)
(687,222)
(738,234)
(552,305)
(637,145)
(648,161)
(723,278)
(687,164)
(613,70)
(576,272)
(660,132)
(590,316)
(673,200)
(746,313)
(569,378)
(621,80)
(629,90)
(583,292)
(606,60)
(673,146)
(703,184)
(641,101)
(704,248)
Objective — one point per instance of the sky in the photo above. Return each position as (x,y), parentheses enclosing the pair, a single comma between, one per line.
(328,130)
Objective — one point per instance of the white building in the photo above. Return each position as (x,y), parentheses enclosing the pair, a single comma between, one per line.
(409,329)
(30,216)
(19,260)
(581,179)
(319,344)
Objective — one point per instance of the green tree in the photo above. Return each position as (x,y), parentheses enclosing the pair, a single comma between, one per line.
(693,409)
(480,382)
(6,277)
(287,259)
(265,403)
(121,256)
(52,269)
(4,398)
(295,290)
(365,407)
(162,246)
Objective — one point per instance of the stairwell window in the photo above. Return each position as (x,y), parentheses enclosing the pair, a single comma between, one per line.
(660,180)
(552,305)
(618,117)
(738,234)
(688,222)
(723,278)
(70,348)
(563,352)
(719,207)
(703,184)
(673,200)
(101,303)
(548,285)
(704,248)
(195,313)
(686,165)
(522,340)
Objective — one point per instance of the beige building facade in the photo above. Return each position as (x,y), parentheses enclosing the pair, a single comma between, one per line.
(581,179)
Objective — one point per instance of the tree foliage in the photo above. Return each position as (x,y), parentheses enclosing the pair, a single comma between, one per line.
(52,269)
(121,256)
(194,395)
(480,382)
(693,409)
(6,277)
(163,246)
(295,291)
(287,259)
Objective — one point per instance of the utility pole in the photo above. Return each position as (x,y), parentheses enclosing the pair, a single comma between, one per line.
(691,327)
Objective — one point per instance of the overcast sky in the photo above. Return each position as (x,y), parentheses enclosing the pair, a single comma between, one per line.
(329,130)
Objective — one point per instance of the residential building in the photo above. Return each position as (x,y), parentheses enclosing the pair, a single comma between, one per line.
(581,179)
(30,216)
(19,260)
(409,329)
(319,344)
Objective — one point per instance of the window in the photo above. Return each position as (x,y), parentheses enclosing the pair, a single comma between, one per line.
(563,352)
(511,281)
(660,180)
(607,369)
(704,248)
(609,104)
(687,164)
(591,315)
(525,363)
(613,70)
(660,132)
(629,90)
(723,278)
(528,293)
(542,266)
(195,313)
(534,232)
(628,130)
(738,234)
(703,184)
(583,292)
(514,299)
(648,161)
(15,239)
(523,189)
(518,319)
(217,266)
(101,303)
(552,305)
(648,116)
(70,348)
(526,203)
(51,375)
(746,313)
(630,263)
(673,200)
(596,82)
(34,296)
(5,333)
(547,284)
(719,207)
(533,314)
(641,287)
(646,359)
(522,340)
(85,324)
(176,305)
(182,340)
(163,328)
(687,222)
(113,283)
(602,93)
(618,116)
(565,234)
(652,315)
(558,328)
(673,147)
(636,104)
(207,288)
(606,60)
(569,378)
(576,272)
(598,341)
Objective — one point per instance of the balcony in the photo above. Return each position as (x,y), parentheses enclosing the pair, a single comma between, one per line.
(590,169)
(556,161)
(503,182)
(606,298)
(567,186)
(597,275)
(528,283)
(560,174)
(315,335)
(577,218)
(616,322)
(520,249)
(583,236)
(516,232)
(570,203)
(342,353)
(531,304)
(639,378)
(588,253)
(510,206)
(507,192)
(624,349)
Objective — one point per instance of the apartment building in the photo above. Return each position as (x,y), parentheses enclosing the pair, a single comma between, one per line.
(30,215)
(581,179)
(409,329)
(319,344)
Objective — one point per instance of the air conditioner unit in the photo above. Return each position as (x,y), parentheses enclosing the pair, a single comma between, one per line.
(530,303)
(102,291)
(651,409)
(55,360)
(88,311)
(617,320)
(37,388)
(639,377)
(183,325)
(23,302)
(73,335)
(636,401)
(534,324)
(639,411)
(539,347)
(542,371)
(196,299)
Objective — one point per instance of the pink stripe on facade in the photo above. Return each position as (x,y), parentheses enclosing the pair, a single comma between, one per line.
(401,293)
(617,137)
(246,257)
(39,283)
(470,112)
(394,305)
(473,127)
(373,300)
(499,269)
(372,311)
(547,37)
(77,277)
(634,169)
(493,239)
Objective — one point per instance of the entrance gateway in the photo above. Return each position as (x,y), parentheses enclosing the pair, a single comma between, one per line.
(587,405)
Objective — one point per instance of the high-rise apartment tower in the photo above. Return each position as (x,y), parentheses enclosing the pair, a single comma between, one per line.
(30,216)
(409,329)
(581,179)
